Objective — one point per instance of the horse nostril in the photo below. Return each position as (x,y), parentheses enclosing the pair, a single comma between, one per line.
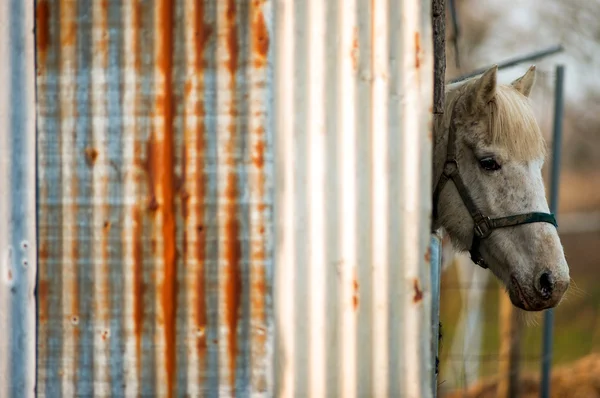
(546,285)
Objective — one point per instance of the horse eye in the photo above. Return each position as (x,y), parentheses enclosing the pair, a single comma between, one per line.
(489,164)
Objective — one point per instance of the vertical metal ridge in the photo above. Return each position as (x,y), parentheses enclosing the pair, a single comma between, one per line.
(380,198)
(43,107)
(416,206)
(347,152)
(259,197)
(230,251)
(131,230)
(197,35)
(316,196)
(70,187)
(284,282)
(97,154)
(161,158)
(17,206)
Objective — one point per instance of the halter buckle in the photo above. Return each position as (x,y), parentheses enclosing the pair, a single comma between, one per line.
(483,227)
(450,167)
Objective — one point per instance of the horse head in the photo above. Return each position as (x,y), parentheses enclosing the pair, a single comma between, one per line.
(489,192)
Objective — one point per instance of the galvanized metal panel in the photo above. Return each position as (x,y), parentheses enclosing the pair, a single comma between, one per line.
(352,289)
(17,200)
(155,198)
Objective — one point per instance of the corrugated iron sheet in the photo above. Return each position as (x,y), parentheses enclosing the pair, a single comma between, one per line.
(17,200)
(352,290)
(172,136)
(155,197)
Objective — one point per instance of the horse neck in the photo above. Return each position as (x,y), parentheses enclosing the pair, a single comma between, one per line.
(440,147)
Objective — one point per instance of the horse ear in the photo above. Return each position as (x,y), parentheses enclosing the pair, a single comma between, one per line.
(485,89)
(524,84)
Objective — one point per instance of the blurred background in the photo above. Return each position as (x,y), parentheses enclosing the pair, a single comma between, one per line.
(491,31)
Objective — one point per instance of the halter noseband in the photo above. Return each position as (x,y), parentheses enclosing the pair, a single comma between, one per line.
(484,225)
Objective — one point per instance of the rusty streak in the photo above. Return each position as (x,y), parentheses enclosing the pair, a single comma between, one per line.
(417,50)
(164,155)
(232,225)
(42,12)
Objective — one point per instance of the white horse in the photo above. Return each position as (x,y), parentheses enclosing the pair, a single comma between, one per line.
(489,192)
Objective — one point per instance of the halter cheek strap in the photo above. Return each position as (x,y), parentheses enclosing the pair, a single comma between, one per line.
(484,225)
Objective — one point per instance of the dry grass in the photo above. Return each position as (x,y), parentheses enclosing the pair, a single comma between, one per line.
(579,379)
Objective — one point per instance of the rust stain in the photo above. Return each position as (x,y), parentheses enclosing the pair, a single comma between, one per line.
(355,297)
(258,157)
(91,154)
(138,283)
(42,13)
(428,255)
(203,33)
(260,35)
(42,295)
(233,250)
(417,50)
(418,292)
(354,52)
(232,41)
(10,275)
(163,171)
(107,225)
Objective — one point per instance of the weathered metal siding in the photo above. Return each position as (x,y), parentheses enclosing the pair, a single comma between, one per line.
(168,150)
(353,174)
(17,200)
(155,197)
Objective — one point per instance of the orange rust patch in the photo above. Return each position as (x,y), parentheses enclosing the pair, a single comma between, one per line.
(260,36)
(418,292)
(203,33)
(91,154)
(417,50)
(259,151)
(107,225)
(354,51)
(232,38)
(10,275)
(355,300)
(428,255)
(42,14)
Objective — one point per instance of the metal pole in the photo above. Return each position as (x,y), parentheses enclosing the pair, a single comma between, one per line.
(436,270)
(554,185)
(513,61)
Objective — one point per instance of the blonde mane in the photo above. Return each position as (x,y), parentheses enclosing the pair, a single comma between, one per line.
(512,122)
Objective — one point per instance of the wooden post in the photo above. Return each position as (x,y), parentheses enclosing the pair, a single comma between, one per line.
(438,16)
(510,345)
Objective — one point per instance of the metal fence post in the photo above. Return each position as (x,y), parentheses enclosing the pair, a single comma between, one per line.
(554,185)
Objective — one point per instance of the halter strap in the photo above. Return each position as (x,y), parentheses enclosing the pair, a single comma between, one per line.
(484,225)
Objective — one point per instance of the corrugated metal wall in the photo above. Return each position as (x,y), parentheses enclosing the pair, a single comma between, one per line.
(352,295)
(155,206)
(233,197)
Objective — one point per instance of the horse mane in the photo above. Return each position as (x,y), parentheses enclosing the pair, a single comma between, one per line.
(513,125)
